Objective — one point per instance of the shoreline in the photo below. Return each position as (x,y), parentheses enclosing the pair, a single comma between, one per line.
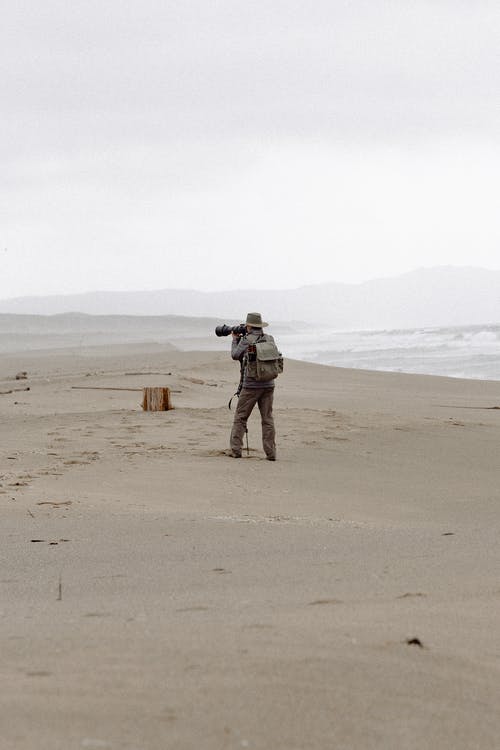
(463,352)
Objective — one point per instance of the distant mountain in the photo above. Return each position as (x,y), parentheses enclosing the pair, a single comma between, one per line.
(442,296)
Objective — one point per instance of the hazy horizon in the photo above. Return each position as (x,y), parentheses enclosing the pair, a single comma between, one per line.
(220,290)
(440,296)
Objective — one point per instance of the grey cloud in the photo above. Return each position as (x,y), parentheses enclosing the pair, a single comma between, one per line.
(351,137)
(76,76)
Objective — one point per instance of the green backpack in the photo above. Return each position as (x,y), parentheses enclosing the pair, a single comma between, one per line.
(263,360)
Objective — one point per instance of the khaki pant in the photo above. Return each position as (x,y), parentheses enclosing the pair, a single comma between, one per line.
(247,400)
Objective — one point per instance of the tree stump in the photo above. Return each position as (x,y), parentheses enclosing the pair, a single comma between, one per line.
(156,399)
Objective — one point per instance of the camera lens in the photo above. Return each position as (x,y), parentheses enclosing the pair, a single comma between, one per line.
(223,330)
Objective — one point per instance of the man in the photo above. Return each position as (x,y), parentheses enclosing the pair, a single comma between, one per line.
(253,392)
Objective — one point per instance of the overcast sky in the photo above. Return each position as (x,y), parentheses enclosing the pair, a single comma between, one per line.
(221,144)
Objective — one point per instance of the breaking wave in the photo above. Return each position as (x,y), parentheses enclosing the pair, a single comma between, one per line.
(463,352)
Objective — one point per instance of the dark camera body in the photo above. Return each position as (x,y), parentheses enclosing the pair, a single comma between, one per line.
(225,330)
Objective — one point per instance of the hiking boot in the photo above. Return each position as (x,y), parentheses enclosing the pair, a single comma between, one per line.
(233,454)
(271,458)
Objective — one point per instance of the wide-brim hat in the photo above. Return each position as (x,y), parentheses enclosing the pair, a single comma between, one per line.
(255,319)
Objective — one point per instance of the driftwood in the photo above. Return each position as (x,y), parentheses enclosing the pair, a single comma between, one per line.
(156,399)
(101,388)
(199,381)
(108,388)
(148,373)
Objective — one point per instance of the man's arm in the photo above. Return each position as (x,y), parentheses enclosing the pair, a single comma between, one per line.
(239,346)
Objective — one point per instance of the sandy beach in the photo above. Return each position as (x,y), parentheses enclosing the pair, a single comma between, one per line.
(157,594)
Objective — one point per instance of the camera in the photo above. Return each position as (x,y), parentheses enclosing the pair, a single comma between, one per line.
(225,330)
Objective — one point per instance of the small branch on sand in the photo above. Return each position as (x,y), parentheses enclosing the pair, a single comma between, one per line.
(459,406)
(14,390)
(59,591)
(55,504)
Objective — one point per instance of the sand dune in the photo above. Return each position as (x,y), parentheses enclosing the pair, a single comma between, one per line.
(158,594)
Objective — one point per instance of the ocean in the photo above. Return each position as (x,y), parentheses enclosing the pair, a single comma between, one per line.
(460,352)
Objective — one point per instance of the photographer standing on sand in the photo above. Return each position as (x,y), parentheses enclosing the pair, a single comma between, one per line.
(261,362)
